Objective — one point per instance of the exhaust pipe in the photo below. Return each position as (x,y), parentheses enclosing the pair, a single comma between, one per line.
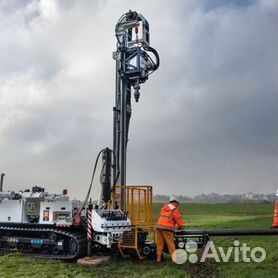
(2,181)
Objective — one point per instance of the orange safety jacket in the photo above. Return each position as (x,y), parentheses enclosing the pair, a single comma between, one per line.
(169,217)
(275,220)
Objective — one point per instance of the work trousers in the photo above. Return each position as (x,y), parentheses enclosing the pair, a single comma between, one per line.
(162,237)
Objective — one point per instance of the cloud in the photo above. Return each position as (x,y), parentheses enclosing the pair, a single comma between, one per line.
(206,120)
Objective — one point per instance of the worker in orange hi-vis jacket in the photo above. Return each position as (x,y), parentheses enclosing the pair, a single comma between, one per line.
(275,220)
(168,218)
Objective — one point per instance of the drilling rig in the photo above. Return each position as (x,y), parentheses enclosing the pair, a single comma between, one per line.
(50,225)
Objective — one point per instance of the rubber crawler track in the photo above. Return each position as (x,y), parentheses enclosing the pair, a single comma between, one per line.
(37,232)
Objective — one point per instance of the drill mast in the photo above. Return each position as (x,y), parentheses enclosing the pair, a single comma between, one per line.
(133,67)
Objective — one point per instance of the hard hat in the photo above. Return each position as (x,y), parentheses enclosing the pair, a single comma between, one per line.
(174,199)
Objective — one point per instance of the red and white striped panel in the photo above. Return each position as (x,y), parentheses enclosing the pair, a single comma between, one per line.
(63,225)
(89,228)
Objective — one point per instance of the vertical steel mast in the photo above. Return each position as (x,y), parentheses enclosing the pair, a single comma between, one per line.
(133,66)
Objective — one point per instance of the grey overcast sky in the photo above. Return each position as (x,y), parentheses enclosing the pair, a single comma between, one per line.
(206,121)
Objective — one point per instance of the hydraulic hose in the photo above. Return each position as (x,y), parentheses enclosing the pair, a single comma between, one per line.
(90,186)
(155,53)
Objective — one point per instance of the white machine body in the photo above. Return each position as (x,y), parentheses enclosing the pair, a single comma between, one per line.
(109,226)
(37,207)
(59,212)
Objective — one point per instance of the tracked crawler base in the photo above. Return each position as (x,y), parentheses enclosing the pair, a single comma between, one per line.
(42,241)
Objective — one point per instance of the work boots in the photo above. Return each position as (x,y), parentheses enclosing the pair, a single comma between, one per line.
(159,258)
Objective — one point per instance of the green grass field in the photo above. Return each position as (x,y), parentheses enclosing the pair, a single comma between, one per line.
(197,216)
